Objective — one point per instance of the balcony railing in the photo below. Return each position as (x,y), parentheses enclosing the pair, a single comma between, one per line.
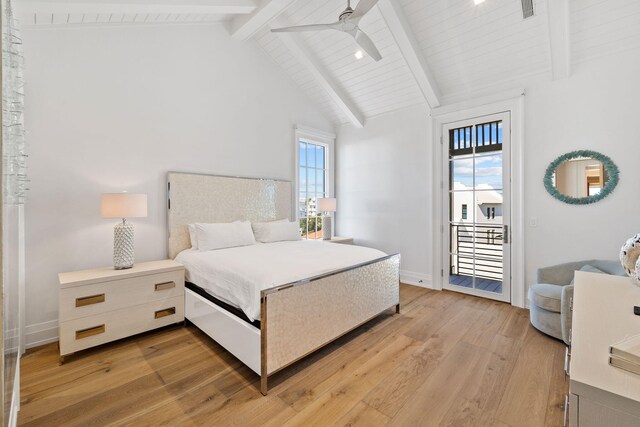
(476,250)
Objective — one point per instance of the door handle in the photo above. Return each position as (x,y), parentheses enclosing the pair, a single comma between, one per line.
(505,234)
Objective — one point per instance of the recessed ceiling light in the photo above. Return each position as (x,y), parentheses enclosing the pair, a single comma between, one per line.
(477,2)
(359,54)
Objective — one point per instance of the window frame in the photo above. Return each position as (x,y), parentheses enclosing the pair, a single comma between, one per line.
(317,137)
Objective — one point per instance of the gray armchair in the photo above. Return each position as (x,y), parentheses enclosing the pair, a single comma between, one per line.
(550,298)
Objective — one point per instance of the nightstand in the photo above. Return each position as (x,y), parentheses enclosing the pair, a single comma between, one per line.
(343,240)
(103,305)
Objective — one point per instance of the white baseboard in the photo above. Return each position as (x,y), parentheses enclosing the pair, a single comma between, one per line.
(41,333)
(416,279)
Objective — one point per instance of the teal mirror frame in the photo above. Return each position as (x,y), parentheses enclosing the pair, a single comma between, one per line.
(611,168)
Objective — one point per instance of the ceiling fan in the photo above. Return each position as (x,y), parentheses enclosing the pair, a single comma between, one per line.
(347,23)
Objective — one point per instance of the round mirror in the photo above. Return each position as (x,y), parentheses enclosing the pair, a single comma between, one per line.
(581,177)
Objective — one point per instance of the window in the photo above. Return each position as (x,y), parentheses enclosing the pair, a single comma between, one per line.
(314,177)
(464,211)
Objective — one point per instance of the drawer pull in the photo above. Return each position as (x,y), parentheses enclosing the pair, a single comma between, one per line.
(85,333)
(166,312)
(93,299)
(164,286)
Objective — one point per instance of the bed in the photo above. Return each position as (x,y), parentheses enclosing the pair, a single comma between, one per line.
(271,304)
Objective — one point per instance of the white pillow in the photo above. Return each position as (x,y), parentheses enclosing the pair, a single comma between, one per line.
(224,235)
(193,236)
(276,231)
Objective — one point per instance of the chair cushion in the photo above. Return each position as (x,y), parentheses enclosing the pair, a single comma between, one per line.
(546,296)
(589,269)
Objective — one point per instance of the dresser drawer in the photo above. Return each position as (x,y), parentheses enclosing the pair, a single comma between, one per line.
(90,331)
(90,300)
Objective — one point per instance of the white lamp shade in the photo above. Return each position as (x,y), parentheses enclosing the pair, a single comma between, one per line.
(327,204)
(123,205)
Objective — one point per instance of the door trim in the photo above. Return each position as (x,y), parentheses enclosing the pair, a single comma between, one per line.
(513,102)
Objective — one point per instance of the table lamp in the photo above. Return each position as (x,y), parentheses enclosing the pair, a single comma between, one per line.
(326,205)
(123,205)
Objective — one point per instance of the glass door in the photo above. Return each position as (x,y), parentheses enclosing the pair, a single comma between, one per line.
(476,204)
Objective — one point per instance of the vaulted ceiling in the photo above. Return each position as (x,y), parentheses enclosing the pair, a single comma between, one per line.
(433,50)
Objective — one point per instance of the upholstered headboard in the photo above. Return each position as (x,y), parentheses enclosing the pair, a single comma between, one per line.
(210,198)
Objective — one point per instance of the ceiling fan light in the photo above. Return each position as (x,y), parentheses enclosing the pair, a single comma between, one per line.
(359,54)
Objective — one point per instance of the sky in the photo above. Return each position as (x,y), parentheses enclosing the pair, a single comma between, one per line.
(311,180)
(488,170)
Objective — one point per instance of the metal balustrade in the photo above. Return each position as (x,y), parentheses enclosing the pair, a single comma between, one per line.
(476,250)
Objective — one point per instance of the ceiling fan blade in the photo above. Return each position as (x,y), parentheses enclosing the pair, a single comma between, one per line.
(300,28)
(367,44)
(362,8)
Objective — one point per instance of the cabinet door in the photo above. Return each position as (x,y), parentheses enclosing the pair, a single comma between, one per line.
(592,414)
(573,410)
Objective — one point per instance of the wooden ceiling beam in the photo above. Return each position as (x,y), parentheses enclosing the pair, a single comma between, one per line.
(138,6)
(408,45)
(559,38)
(246,26)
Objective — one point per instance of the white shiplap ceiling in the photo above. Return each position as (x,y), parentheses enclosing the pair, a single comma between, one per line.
(374,88)
(602,27)
(432,49)
(470,47)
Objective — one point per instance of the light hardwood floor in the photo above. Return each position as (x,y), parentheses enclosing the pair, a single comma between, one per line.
(447,359)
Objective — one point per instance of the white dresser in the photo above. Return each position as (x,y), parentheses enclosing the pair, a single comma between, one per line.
(101,305)
(601,395)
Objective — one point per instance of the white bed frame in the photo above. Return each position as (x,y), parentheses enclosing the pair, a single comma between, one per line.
(296,318)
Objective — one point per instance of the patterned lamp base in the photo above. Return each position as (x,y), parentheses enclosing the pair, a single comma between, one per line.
(326,228)
(123,246)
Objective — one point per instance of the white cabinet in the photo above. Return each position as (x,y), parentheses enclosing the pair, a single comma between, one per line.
(103,305)
(601,395)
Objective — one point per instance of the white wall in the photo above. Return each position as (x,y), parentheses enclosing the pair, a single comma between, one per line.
(384,170)
(383,188)
(112,109)
(597,109)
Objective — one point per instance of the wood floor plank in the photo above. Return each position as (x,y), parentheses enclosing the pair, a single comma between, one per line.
(429,404)
(346,350)
(525,400)
(428,325)
(479,400)
(247,407)
(410,294)
(182,410)
(323,376)
(404,379)
(517,324)
(447,359)
(127,357)
(109,374)
(338,401)
(488,324)
(559,387)
(363,415)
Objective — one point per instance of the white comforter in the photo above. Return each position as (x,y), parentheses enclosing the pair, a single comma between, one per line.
(237,275)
